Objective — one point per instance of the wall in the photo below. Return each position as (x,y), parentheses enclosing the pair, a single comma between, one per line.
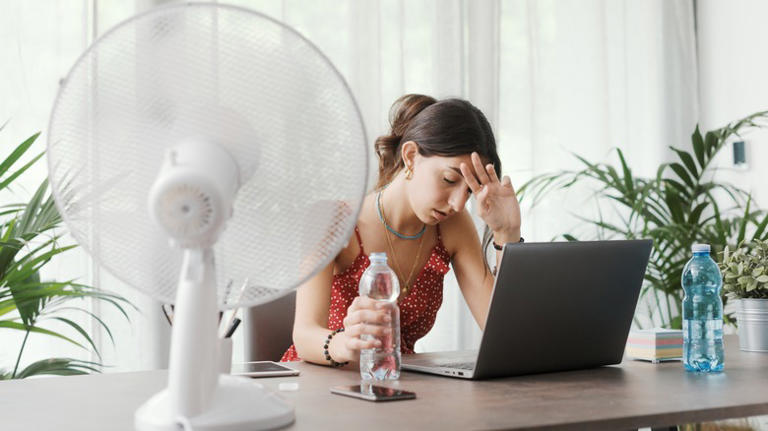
(733,80)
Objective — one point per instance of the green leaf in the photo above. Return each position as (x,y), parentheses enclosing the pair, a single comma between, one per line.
(693,218)
(752,285)
(59,367)
(17,153)
(28,310)
(676,322)
(682,174)
(675,206)
(6,182)
(687,161)
(15,325)
(711,143)
(762,279)
(82,332)
(698,147)
(744,221)
(761,227)
(628,182)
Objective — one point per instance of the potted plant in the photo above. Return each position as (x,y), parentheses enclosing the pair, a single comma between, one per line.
(30,237)
(683,204)
(745,279)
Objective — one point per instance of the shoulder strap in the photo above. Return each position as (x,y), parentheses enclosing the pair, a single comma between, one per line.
(359,240)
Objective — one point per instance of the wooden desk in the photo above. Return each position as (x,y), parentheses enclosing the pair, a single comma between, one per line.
(631,395)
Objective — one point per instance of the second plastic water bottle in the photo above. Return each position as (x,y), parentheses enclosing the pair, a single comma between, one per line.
(380,283)
(702,313)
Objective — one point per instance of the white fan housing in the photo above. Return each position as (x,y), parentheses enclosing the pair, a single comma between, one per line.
(198,147)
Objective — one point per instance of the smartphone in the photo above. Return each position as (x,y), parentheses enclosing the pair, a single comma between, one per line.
(262,369)
(370,392)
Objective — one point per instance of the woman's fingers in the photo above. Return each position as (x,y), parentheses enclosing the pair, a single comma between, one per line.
(469,177)
(366,316)
(491,173)
(368,329)
(364,303)
(371,316)
(506,182)
(482,175)
(358,344)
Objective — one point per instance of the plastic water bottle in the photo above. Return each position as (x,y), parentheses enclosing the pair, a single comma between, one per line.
(380,283)
(702,313)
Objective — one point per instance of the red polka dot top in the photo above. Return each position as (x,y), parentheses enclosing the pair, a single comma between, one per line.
(418,308)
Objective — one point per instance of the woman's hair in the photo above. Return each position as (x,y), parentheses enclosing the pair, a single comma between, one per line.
(448,128)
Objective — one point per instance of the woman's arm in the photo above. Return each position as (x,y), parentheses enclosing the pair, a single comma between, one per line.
(310,328)
(497,205)
(474,278)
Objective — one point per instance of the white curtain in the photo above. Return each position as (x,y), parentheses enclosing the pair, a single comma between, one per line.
(553,77)
(584,77)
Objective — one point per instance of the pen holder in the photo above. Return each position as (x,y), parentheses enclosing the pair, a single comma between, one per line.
(225,355)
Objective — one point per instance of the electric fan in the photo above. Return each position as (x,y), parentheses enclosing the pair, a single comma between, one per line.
(198,132)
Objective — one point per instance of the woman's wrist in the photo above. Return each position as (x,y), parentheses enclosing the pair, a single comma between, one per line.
(502,237)
(337,348)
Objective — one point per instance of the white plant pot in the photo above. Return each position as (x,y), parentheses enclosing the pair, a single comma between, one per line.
(752,318)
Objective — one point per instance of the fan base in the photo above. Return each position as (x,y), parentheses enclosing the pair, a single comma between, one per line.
(238,404)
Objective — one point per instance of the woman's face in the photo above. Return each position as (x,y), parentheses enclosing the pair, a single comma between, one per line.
(437,189)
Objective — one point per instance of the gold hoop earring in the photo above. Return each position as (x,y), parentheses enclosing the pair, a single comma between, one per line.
(408,173)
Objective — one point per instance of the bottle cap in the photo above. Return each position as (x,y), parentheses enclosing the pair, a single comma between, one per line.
(700,248)
(379,257)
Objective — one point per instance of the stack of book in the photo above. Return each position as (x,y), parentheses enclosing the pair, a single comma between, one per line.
(655,345)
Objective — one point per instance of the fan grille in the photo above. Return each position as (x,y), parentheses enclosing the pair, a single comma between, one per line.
(233,76)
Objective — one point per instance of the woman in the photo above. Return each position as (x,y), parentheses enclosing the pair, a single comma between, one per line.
(437,154)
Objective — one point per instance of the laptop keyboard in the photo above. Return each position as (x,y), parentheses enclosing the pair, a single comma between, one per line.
(460,366)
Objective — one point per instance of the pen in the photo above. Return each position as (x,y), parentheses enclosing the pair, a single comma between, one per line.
(234,312)
(168,315)
(232,328)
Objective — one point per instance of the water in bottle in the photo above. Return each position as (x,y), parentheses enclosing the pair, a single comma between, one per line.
(380,283)
(702,313)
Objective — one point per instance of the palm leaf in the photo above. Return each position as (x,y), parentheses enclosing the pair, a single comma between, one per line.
(699,149)
(20,326)
(59,367)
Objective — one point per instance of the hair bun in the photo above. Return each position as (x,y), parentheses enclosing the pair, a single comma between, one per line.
(405,109)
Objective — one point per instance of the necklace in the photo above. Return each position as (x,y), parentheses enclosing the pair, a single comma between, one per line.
(386,225)
(406,282)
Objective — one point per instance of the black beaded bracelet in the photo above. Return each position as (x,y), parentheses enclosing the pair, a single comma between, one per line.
(328,358)
(499,248)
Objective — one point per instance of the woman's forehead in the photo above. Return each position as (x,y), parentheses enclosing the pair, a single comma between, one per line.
(456,161)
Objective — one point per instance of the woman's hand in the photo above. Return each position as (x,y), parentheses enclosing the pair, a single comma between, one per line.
(496,200)
(364,317)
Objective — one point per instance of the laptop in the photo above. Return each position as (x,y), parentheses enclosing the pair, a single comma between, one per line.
(555,306)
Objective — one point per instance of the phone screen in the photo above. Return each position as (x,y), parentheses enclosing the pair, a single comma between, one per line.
(262,367)
(373,392)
